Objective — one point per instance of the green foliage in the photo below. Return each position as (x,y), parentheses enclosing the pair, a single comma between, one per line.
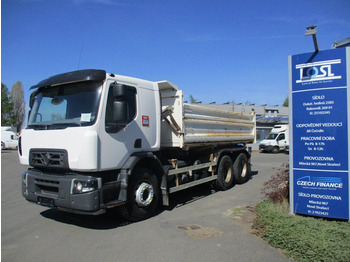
(286,102)
(7,117)
(302,238)
(17,99)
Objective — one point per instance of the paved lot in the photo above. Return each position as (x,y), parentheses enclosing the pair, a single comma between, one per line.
(34,233)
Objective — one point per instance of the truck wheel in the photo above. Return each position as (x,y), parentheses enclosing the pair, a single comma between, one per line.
(241,169)
(225,174)
(275,149)
(143,196)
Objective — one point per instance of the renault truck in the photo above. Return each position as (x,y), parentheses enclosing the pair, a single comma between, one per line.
(97,140)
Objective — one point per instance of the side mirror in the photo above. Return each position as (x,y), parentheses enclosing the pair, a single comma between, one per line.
(120,112)
(31,101)
(119,90)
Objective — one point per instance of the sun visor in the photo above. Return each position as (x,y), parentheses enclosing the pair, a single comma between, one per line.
(72,77)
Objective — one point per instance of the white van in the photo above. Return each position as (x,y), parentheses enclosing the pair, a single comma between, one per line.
(277,140)
(10,139)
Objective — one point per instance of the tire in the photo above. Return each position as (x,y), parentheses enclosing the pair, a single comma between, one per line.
(225,179)
(241,169)
(143,196)
(275,149)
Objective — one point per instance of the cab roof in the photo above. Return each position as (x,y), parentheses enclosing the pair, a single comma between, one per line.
(72,77)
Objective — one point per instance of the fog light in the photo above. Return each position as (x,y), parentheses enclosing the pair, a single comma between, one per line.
(84,186)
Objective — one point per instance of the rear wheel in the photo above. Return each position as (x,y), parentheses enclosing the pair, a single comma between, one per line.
(225,174)
(241,169)
(143,196)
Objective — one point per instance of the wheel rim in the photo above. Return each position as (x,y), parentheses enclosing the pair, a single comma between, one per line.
(228,173)
(144,195)
(244,168)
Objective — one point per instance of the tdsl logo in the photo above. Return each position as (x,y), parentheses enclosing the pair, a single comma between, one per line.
(316,71)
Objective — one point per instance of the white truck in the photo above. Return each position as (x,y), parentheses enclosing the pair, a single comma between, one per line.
(9,137)
(277,140)
(96,140)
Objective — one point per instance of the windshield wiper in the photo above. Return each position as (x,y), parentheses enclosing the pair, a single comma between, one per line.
(53,126)
(38,127)
(63,125)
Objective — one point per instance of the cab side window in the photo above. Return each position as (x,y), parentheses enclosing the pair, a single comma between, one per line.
(281,137)
(129,98)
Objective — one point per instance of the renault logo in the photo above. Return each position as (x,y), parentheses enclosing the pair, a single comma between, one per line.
(47,158)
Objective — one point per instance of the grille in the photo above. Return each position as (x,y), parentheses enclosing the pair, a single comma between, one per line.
(47,181)
(49,158)
(47,186)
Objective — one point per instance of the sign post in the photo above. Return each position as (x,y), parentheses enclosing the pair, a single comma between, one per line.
(319,94)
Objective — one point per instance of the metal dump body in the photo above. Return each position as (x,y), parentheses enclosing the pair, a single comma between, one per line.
(191,125)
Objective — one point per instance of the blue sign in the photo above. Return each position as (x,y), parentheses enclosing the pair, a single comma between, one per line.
(319,70)
(319,158)
(323,194)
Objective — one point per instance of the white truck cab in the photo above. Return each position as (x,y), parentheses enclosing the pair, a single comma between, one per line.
(277,140)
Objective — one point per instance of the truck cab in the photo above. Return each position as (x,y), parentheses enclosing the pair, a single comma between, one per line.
(86,119)
(83,127)
(277,140)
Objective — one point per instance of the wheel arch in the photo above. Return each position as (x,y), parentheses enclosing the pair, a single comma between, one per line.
(144,160)
(139,161)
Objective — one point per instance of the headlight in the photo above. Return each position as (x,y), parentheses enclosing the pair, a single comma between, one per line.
(83,186)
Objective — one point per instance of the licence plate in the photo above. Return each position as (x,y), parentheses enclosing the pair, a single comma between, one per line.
(44,201)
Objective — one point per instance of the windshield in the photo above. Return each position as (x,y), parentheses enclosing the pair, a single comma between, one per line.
(271,136)
(65,106)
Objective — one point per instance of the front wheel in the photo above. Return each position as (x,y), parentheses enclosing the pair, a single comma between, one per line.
(275,149)
(143,196)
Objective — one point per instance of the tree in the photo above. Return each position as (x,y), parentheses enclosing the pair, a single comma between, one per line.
(17,99)
(193,100)
(286,102)
(7,118)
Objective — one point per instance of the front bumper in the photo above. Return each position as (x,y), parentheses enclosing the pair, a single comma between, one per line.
(55,190)
(266,148)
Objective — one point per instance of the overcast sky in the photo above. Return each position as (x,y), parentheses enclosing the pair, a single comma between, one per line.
(217,51)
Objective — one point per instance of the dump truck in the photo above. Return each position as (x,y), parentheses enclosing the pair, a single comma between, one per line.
(96,140)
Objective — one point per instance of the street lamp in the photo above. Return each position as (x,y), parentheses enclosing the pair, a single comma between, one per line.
(311,30)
